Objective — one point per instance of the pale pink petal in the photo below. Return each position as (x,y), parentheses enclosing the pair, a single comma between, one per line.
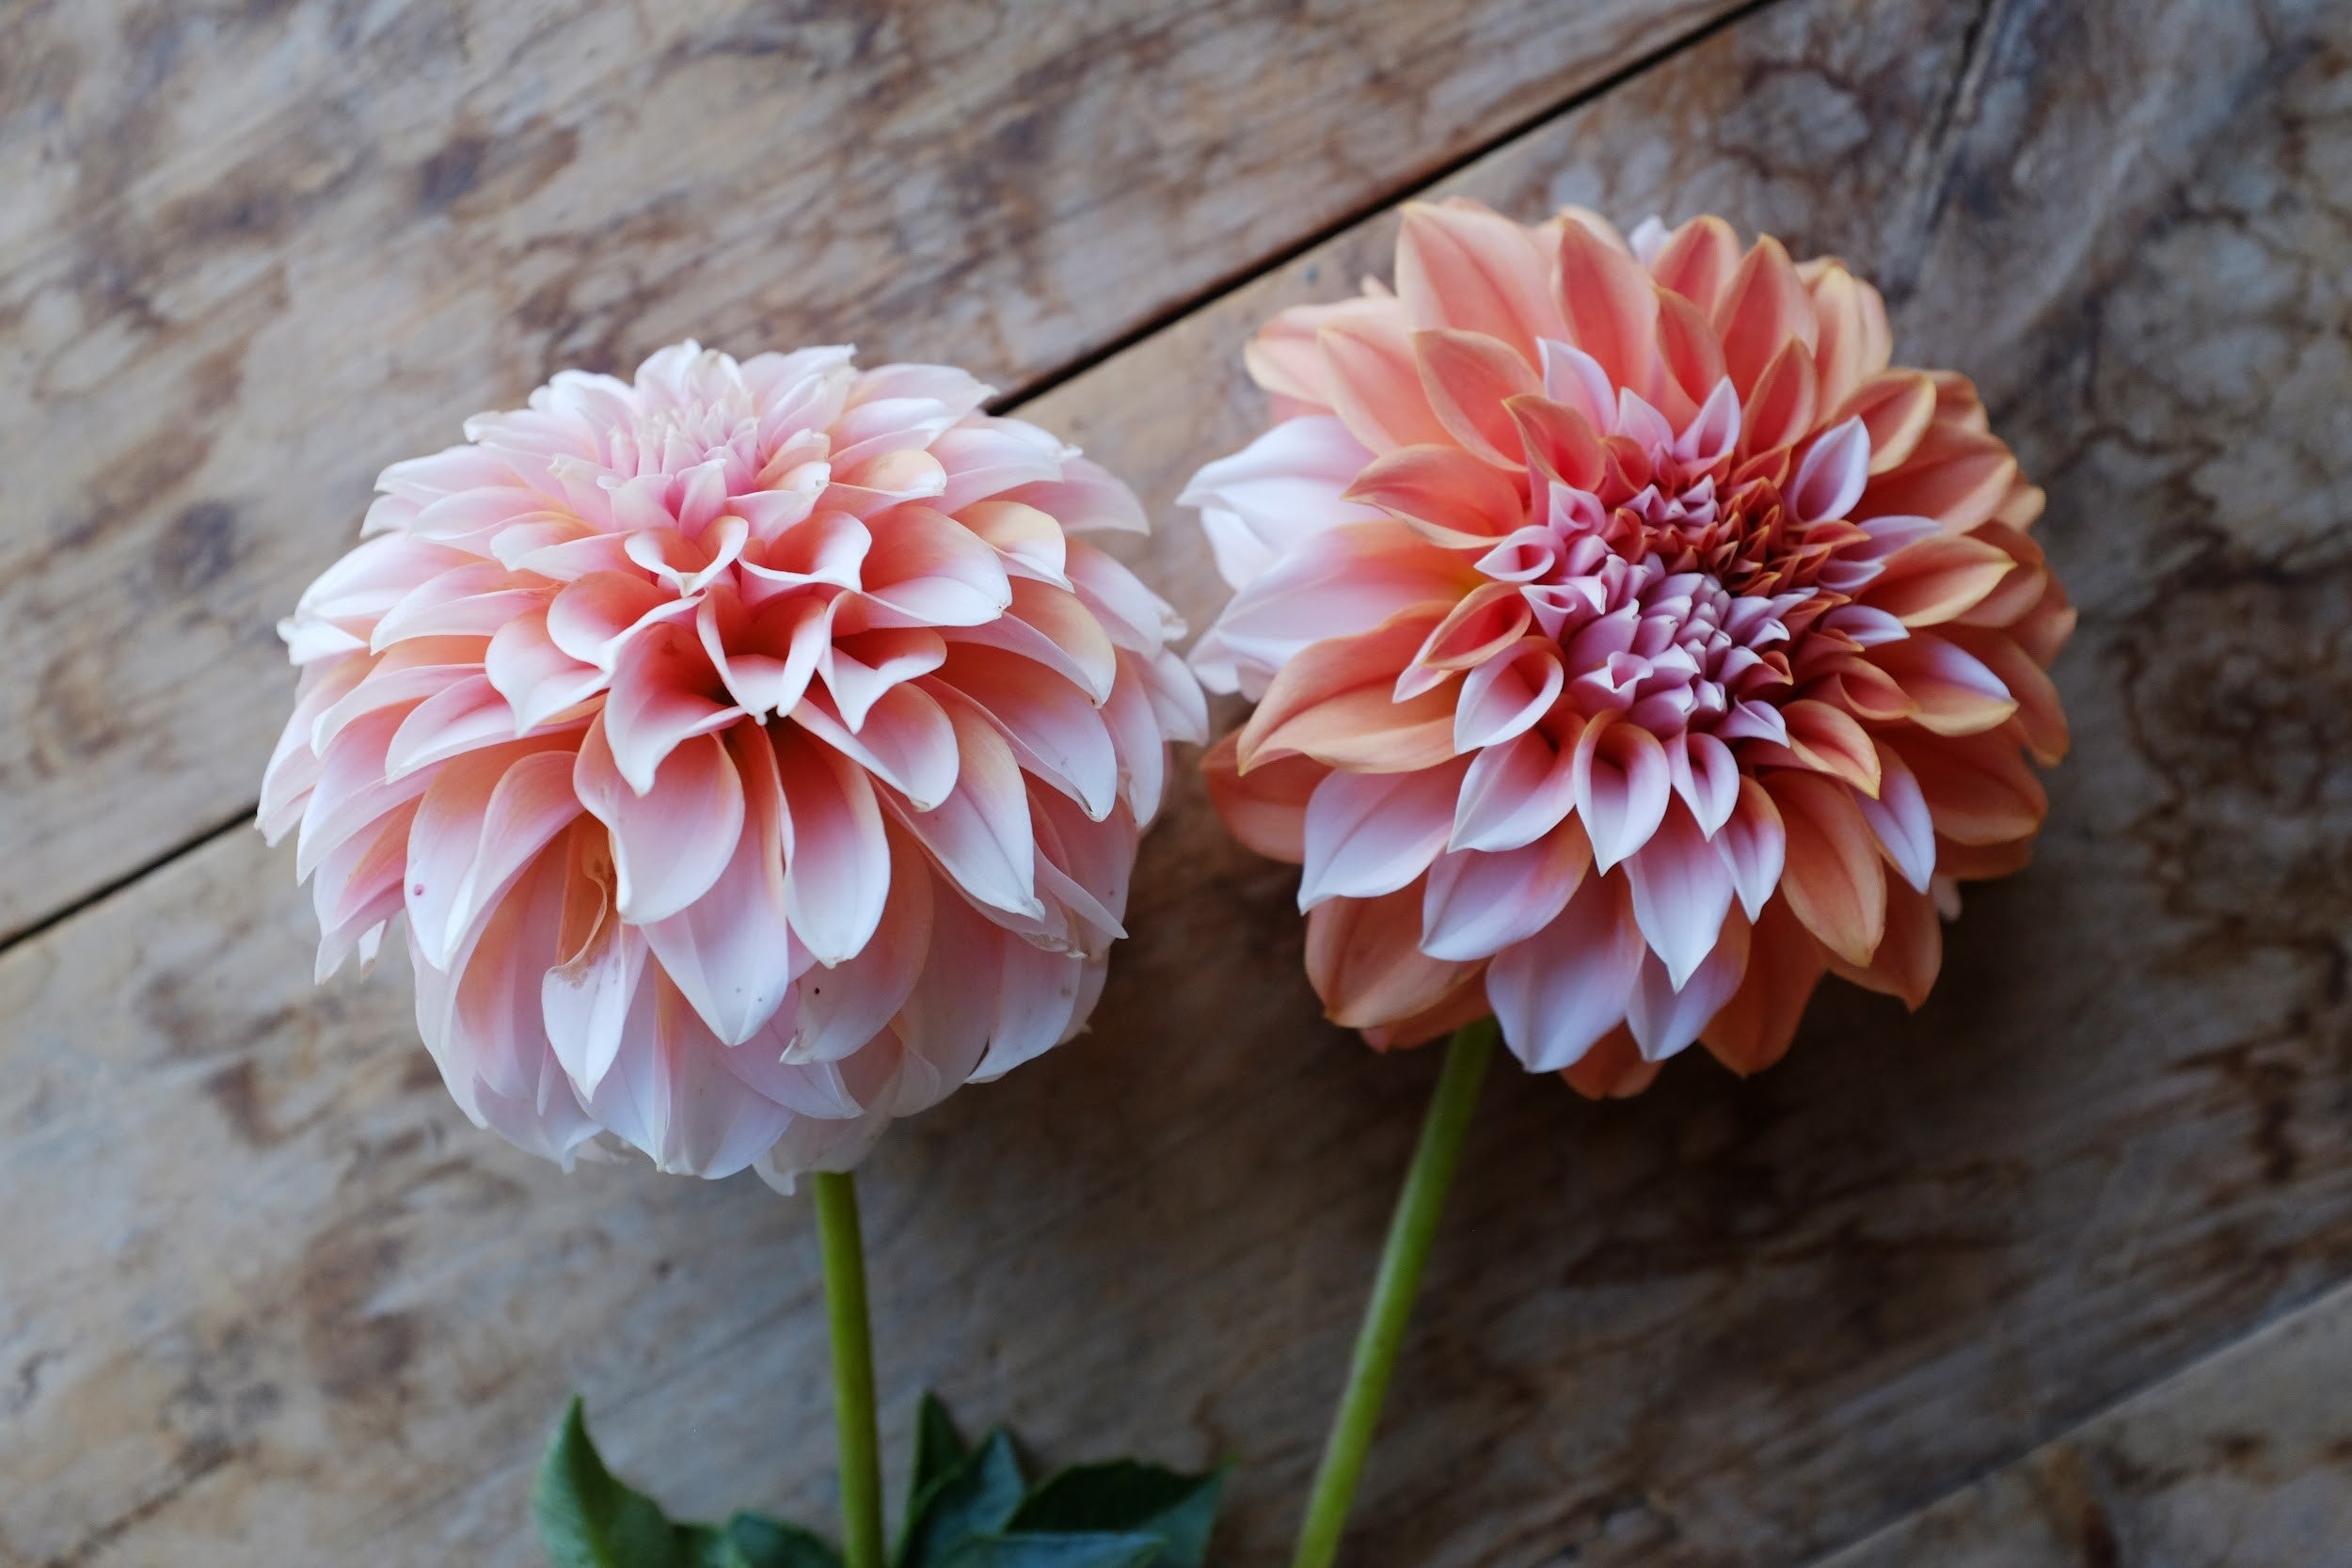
(1514,794)
(926,569)
(1086,500)
(1049,626)
(538,679)
(458,719)
(1504,696)
(1682,888)
(1370,834)
(1667,1016)
(1562,989)
(1622,784)
(1281,489)
(1138,732)
(979,833)
(947,1022)
(664,692)
(1707,777)
(1476,904)
(670,842)
(1053,730)
(1753,843)
(844,1005)
(1831,477)
(1898,816)
(859,668)
(907,741)
(729,951)
(836,861)
(589,997)
(1038,996)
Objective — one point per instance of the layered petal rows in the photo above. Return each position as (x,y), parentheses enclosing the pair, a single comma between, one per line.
(753,752)
(1633,642)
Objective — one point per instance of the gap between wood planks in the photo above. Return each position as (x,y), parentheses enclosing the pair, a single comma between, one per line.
(2114,1416)
(1037,386)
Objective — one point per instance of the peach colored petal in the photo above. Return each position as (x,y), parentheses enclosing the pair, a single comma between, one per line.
(1853,342)
(1451,498)
(1895,407)
(1459,265)
(1910,954)
(1779,406)
(1333,668)
(1832,880)
(1938,580)
(1465,1004)
(1266,807)
(2041,717)
(1951,690)
(1690,352)
(1468,377)
(1376,383)
(1363,957)
(1699,261)
(1979,789)
(1612,1069)
(1753,1029)
(1957,477)
(1762,309)
(1560,441)
(1611,309)
(1828,740)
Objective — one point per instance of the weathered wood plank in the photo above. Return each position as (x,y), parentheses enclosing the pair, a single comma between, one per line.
(2241,1461)
(252,254)
(264,1285)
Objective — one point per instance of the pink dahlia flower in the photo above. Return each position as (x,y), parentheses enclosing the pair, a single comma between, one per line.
(750,751)
(1634,642)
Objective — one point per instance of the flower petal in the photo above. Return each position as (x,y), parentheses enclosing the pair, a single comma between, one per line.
(1622,785)
(1370,834)
(1562,989)
(1475,903)
(670,842)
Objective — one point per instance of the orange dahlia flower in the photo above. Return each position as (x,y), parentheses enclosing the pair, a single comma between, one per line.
(1634,642)
(750,751)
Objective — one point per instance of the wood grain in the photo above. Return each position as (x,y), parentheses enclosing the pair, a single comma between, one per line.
(264,1285)
(2241,1460)
(252,254)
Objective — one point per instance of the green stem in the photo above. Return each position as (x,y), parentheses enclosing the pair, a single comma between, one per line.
(1383,1332)
(853,1368)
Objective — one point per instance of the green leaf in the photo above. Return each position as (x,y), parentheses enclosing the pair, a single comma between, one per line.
(707,1546)
(939,1447)
(977,1498)
(1129,1497)
(1021,1549)
(759,1542)
(588,1519)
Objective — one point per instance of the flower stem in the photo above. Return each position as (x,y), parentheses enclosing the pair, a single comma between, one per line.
(1382,1336)
(853,1368)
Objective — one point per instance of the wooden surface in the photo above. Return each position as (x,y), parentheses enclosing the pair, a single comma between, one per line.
(2239,1458)
(2056,1266)
(248,257)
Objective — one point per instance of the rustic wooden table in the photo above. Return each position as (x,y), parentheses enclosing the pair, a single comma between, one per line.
(2053,1272)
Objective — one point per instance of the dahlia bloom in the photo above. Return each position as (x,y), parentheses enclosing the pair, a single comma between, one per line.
(750,751)
(1635,643)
